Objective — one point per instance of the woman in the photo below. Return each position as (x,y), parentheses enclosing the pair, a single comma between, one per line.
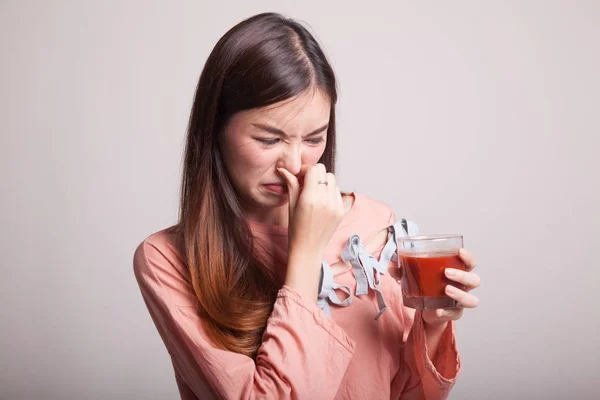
(245,289)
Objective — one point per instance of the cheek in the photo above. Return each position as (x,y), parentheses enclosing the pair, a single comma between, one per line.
(252,161)
(311,155)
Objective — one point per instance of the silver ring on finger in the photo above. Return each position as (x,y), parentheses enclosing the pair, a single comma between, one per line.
(323,183)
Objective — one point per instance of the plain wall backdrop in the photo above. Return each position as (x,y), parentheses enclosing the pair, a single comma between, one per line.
(476,117)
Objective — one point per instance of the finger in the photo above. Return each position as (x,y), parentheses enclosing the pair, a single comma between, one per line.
(313,175)
(467,300)
(330,178)
(321,168)
(468,259)
(469,279)
(452,314)
(442,315)
(322,176)
(449,313)
(293,188)
(334,194)
(332,187)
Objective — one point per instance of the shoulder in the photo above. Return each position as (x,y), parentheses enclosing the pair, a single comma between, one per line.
(370,208)
(161,272)
(157,255)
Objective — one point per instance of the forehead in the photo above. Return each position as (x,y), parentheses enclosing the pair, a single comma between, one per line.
(309,109)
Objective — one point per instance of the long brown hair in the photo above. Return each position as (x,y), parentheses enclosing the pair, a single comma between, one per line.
(261,61)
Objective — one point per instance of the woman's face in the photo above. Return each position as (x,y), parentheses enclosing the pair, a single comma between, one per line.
(256,142)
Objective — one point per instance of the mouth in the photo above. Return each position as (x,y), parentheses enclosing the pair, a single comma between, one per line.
(276,188)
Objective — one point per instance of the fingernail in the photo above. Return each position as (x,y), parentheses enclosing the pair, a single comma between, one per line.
(450,272)
(282,172)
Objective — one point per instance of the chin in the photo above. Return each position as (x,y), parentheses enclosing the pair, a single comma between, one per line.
(271,200)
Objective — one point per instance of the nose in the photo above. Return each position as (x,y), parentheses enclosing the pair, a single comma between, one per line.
(291,159)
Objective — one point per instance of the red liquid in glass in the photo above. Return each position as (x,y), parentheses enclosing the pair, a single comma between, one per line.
(424,273)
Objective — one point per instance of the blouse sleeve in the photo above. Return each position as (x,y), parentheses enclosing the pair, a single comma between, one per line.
(419,377)
(304,354)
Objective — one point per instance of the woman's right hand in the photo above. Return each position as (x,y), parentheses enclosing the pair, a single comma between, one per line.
(315,211)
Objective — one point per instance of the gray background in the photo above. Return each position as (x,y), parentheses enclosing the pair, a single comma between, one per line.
(479,117)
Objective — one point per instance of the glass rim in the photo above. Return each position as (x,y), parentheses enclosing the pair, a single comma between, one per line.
(424,238)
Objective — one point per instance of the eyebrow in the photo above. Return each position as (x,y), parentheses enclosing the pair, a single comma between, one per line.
(279,132)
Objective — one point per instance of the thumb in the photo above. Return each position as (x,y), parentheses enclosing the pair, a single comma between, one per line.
(293,188)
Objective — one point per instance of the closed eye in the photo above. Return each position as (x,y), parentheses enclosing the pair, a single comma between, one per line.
(315,141)
(268,142)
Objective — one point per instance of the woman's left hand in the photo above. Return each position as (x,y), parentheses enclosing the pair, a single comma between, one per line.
(466,278)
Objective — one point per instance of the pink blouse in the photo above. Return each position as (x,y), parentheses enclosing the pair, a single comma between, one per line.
(305,354)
